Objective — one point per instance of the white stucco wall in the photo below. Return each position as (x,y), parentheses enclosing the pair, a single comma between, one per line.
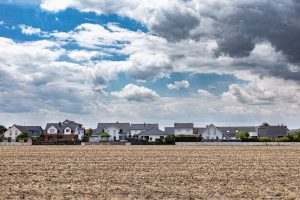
(152,138)
(183,131)
(67,131)
(52,127)
(113,132)
(12,132)
(212,133)
(253,134)
(134,132)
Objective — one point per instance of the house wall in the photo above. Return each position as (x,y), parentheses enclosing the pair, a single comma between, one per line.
(80,133)
(183,131)
(253,134)
(12,132)
(55,137)
(67,131)
(135,132)
(152,138)
(212,133)
(113,132)
(52,127)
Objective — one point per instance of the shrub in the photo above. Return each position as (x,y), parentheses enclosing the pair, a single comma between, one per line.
(170,139)
(187,138)
(159,141)
(249,140)
(265,139)
(85,138)
(22,136)
(283,139)
(242,134)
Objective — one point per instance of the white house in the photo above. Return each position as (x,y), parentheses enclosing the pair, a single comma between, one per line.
(152,134)
(13,132)
(66,130)
(183,128)
(117,131)
(212,133)
(135,129)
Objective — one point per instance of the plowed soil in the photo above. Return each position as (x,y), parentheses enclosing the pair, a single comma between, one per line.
(149,172)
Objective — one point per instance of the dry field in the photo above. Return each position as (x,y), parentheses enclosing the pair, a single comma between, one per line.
(149,172)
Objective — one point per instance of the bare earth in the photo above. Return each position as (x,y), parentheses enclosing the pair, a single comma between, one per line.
(149,172)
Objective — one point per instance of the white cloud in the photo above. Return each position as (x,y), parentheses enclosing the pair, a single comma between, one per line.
(178,85)
(204,93)
(136,93)
(29,30)
(84,55)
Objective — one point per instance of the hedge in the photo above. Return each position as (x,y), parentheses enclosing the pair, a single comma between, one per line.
(187,138)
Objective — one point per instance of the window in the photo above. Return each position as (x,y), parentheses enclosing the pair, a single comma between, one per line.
(16,132)
(10,131)
(67,130)
(10,134)
(150,138)
(52,131)
(114,131)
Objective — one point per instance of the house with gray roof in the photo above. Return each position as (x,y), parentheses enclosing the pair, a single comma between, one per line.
(169,130)
(15,130)
(272,131)
(65,131)
(183,129)
(135,129)
(153,134)
(117,131)
(212,132)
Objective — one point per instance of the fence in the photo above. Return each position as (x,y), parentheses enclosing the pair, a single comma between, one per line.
(237,143)
(56,143)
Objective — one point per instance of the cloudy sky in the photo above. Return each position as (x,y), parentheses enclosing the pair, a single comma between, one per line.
(227,62)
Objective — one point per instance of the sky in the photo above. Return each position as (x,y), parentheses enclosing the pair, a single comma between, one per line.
(226,62)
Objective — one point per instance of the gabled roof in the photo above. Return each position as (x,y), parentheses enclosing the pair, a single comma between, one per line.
(198,130)
(62,125)
(232,131)
(124,126)
(153,131)
(30,130)
(183,125)
(169,130)
(144,126)
(203,129)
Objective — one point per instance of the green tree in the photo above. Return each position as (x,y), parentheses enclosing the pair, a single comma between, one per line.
(2,129)
(265,124)
(22,136)
(242,134)
(89,132)
(297,134)
(105,136)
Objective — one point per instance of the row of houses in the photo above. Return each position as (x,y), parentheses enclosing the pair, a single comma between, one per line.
(72,131)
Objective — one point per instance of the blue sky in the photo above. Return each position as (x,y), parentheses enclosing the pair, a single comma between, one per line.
(143,61)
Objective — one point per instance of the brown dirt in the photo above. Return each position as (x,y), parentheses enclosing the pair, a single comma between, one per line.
(149,172)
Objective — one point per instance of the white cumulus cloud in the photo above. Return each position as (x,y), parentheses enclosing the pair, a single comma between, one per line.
(177,85)
(133,92)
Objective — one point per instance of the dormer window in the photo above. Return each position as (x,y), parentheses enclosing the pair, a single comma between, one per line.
(67,130)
